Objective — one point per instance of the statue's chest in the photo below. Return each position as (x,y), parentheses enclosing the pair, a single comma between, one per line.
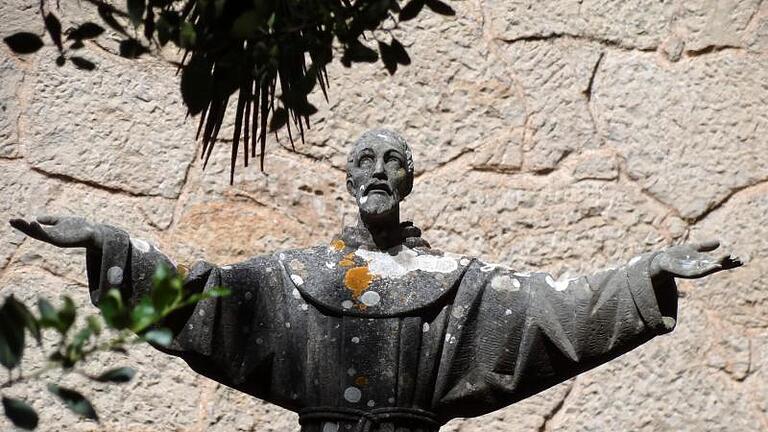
(364,283)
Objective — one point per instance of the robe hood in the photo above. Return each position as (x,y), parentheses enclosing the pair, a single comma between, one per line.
(355,281)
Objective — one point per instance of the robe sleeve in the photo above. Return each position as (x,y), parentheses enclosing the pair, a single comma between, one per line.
(213,336)
(512,335)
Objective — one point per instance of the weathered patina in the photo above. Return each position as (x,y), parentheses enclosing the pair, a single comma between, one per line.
(377,331)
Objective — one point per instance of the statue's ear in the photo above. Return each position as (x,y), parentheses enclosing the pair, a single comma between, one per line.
(351,187)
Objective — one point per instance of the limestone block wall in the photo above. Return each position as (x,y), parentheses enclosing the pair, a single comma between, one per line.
(563,136)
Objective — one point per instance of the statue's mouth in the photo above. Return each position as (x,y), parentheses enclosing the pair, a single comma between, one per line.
(378,187)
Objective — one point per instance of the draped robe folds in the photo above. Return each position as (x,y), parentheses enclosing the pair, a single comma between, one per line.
(399,341)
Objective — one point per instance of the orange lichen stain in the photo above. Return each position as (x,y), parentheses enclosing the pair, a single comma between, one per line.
(348,260)
(357,280)
(361,381)
(338,245)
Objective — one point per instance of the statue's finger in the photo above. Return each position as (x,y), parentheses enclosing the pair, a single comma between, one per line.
(20,224)
(37,231)
(707,246)
(48,219)
(729,262)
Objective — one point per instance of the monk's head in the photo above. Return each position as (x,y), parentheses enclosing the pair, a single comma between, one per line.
(379,172)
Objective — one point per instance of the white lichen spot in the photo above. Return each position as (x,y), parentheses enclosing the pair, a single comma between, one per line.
(486,268)
(287,325)
(370,298)
(371,403)
(384,265)
(115,275)
(226,267)
(330,265)
(201,312)
(330,427)
(297,279)
(296,294)
(352,394)
(304,307)
(190,326)
(140,244)
(458,311)
(346,304)
(391,400)
(425,327)
(562,284)
(505,283)
(635,260)
(248,295)
(281,256)
(452,340)
(508,312)
(363,199)
(351,371)
(355,340)
(447,337)
(464,261)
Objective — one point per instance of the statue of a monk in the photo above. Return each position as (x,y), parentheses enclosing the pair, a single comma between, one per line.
(376,331)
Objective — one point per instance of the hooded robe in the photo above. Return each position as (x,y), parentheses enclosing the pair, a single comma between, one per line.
(397,341)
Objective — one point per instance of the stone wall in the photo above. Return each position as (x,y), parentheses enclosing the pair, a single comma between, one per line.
(549,135)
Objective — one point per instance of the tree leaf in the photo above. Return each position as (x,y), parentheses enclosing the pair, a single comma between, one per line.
(115,314)
(411,10)
(159,336)
(20,413)
(218,291)
(75,401)
(86,30)
(11,336)
(24,42)
(53,25)
(49,318)
(67,314)
(82,63)
(117,375)
(441,8)
(136,10)
(29,320)
(166,289)
(247,25)
(94,324)
(187,35)
(143,315)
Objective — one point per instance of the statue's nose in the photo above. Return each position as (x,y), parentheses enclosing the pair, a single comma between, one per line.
(378,171)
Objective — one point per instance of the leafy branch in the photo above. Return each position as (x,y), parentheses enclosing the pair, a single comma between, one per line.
(124,325)
(268,54)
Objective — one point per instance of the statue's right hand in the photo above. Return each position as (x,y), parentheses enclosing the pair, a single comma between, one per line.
(61,231)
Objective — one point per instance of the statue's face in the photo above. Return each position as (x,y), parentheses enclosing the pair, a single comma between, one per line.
(378,177)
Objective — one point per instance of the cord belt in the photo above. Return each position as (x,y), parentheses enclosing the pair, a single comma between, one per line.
(368,418)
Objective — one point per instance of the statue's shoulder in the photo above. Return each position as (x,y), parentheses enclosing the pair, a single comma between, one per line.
(363,282)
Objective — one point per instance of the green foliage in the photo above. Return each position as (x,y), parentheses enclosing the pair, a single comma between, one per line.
(143,322)
(269,54)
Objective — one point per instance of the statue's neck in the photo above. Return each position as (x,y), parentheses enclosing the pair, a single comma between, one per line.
(383,232)
(383,237)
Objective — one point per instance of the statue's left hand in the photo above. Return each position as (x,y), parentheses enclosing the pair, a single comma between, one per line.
(692,261)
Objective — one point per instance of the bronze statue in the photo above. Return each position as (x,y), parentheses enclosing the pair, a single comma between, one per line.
(376,331)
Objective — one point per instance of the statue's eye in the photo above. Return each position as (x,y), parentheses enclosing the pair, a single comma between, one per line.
(366,161)
(394,162)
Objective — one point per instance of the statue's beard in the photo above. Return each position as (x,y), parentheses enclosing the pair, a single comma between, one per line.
(377,204)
